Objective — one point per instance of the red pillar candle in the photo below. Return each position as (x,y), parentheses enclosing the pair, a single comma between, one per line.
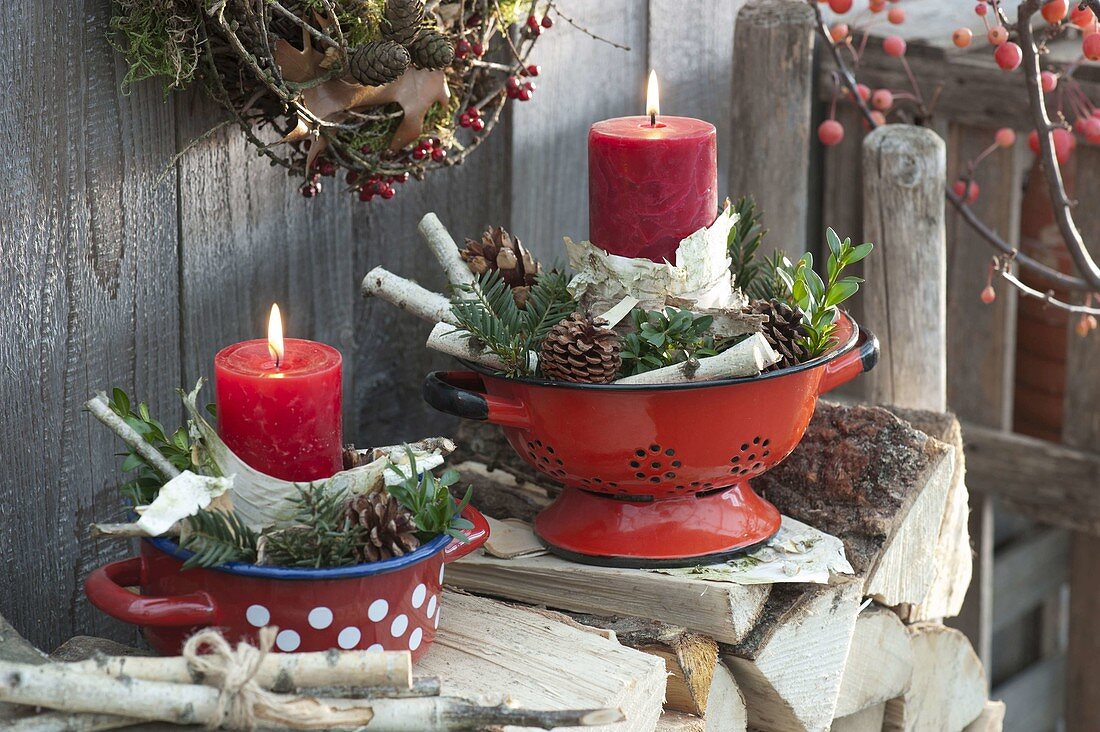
(282,417)
(652,181)
(650,185)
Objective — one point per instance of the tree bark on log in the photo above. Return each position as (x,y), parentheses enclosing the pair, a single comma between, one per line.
(407,295)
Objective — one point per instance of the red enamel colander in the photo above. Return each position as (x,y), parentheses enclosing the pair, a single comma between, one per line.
(655,475)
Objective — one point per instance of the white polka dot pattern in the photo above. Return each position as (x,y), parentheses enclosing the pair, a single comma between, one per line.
(349,637)
(399,626)
(378,610)
(415,637)
(418,595)
(375,648)
(431,606)
(257,616)
(288,641)
(320,618)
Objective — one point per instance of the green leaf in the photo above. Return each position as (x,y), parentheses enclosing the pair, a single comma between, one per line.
(860,251)
(833,241)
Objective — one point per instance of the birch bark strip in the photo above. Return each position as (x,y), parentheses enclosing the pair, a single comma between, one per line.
(747,358)
(446,339)
(407,295)
(445,249)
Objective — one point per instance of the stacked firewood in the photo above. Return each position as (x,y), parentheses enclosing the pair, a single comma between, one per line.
(864,652)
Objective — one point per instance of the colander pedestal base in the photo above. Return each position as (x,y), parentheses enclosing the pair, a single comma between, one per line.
(670,532)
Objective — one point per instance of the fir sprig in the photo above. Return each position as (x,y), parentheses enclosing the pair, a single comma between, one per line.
(749,273)
(818,299)
(319,534)
(175,447)
(428,499)
(488,312)
(217,537)
(665,338)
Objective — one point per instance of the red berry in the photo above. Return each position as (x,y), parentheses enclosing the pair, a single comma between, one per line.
(970,193)
(878,117)
(547,21)
(387,192)
(1008,56)
(310,189)
(400,178)
(1033,141)
(419,153)
(864,91)
(1005,137)
(532,22)
(1064,144)
(365,195)
(1055,11)
(512,84)
(1081,17)
(524,95)
(532,70)
(462,47)
(351,177)
(477,125)
(896,16)
(435,142)
(1092,130)
(838,32)
(840,7)
(478,49)
(876,6)
(894,46)
(1091,46)
(997,35)
(988,294)
(830,132)
(980,8)
(464,120)
(962,37)
(1048,81)
(882,99)
(439,155)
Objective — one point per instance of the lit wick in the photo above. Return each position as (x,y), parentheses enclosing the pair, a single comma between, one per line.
(275,335)
(652,99)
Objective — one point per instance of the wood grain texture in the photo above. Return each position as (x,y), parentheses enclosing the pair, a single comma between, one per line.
(1081,429)
(773,58)
(696,83)
(87,296)
(905,292)
(585,81)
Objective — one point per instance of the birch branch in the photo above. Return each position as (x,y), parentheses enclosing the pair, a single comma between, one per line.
(52,686)
(283,672)
(407,295)
(747,358)
(97,405)
(445,249)
(447,339)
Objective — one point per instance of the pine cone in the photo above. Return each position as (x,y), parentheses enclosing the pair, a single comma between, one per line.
(403,18)
(390,528)
(378,62)
(581,349)
(783,329)
(431,50)
(499,250)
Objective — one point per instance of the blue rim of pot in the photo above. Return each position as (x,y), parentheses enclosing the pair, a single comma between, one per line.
(436,545)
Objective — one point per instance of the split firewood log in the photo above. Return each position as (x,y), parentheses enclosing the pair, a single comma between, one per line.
(880,662)
(947,691)
(878,484)
(991,719)
(866,720)
(791,666)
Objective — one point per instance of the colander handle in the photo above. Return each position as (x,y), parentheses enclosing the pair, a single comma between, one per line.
(462,393)
(859,360)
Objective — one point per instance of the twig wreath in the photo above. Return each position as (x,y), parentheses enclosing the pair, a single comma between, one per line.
(385,89)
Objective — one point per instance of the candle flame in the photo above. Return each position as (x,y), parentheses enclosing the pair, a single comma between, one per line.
(652,98)
(275,334)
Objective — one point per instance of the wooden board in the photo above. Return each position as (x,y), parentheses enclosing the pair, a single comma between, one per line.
(726,612)
(585,81)
(87,298)
(948,687)
(488,650)
(880,662)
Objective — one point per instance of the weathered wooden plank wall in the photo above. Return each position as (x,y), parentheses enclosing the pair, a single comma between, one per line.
(111,279)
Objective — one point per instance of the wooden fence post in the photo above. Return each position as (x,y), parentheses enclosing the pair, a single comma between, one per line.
(773,89)
(905,297)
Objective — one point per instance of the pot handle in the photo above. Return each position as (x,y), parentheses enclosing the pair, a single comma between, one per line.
(859,360)
(475,536)
(106,589)
(462,393)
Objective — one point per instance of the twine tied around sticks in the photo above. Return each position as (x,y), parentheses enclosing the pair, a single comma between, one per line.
(233,672)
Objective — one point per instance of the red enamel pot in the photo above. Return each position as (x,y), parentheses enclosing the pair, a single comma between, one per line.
(655,475)
(391,605)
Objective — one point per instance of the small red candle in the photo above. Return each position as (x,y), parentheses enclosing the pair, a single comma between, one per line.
(651,182)
(279,404)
